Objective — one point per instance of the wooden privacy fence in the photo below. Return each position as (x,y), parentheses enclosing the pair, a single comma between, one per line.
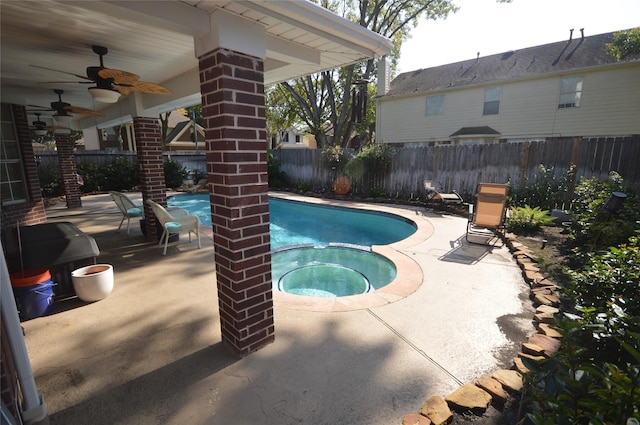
(447,167)
(462,167)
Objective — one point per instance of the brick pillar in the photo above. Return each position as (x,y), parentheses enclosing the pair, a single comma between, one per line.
(150,167)
(232,87)
(67,160)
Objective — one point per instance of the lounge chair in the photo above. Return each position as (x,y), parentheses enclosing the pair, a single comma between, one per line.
(128,208)
(176,221)
(433,194)
(489,213)
(201,186)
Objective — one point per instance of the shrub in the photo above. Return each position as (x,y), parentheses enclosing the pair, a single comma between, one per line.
(277,178)
(120,174)
(304,187)
(595,377)
(371,165)
(596,228)
(50,180)
(174,173)
(545,190)
(199,175)
(90,172)
(527,220)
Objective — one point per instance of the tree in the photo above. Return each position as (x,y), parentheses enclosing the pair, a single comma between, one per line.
(325,101)
(625,43)
(280,116)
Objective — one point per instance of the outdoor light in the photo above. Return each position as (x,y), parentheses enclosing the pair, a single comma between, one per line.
(40,132)
(62,130)
(104,95)
(64,120)
(615,202)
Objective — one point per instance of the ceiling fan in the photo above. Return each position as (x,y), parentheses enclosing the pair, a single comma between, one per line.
(40,128)
(111,83)
(66,110)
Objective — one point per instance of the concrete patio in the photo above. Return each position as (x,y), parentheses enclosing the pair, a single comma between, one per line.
(151,351)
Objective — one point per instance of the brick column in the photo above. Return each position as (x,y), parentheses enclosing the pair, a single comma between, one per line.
(150,167)
(232,87)
(68,169)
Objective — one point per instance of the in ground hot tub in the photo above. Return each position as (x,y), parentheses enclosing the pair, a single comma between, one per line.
(331,271)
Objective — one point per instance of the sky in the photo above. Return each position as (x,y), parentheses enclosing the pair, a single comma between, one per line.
(489,27)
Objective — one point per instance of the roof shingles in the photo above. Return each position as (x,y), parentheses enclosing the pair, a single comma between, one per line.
(577,53)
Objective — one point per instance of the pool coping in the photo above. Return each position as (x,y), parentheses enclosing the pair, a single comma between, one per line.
(409,274)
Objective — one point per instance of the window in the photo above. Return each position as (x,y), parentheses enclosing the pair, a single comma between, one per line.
(435,105)
(12,182)
(570,92)
(492,101)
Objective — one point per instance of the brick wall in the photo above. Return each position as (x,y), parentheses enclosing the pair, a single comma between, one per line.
(32,211)
(232,87)
(67,159)
(151,167)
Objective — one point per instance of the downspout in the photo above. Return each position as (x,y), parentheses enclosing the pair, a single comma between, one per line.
(34,408)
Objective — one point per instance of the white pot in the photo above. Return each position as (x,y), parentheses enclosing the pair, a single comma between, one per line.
(93,283)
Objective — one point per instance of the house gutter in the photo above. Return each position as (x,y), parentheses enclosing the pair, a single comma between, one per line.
(316,19)
(35,409)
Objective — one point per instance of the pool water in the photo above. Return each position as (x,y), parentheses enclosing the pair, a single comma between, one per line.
(319,250)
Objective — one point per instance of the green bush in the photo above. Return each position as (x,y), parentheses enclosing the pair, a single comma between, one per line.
(370,166)
(527,220)
(120,174)
(50,180)
(544,190)
(91,175)
(595,377)
(596,228)
(174,173)
(199,175)
(277,178)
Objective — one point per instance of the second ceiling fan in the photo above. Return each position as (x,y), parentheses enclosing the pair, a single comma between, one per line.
(111,80)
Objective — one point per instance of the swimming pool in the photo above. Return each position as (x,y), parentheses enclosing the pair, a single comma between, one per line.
(320,250)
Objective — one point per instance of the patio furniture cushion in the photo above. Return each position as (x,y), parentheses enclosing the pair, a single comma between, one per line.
(134,212)
(173,226)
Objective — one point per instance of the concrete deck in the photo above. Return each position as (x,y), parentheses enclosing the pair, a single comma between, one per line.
(150,353)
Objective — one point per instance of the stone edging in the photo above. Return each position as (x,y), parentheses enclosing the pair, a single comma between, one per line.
(476,398)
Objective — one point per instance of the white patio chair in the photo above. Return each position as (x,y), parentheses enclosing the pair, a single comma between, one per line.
(128,208)
(176,221)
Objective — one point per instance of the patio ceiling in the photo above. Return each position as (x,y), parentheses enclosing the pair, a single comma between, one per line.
(155,40)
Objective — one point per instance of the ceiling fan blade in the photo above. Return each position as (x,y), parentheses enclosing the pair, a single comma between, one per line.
(123,89)
(118,76)
(65,82)
(40,108)
(63,72)
(151,88)
(83,111)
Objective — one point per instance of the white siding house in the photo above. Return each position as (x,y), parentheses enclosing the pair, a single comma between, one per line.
(572,88)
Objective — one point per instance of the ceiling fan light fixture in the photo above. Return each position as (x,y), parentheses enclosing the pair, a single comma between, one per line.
(62,130)
(64,120)
(40,132)
(104,95)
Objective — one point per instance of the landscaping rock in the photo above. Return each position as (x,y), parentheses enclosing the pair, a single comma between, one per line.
(532,349)
(415,419)
(519,365)
(547,309)
(494,388)
(511,379)
(469,397)
(548,344)
(549,331)
(437,410)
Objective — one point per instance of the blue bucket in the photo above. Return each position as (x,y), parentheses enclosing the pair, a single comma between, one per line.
(33,292)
